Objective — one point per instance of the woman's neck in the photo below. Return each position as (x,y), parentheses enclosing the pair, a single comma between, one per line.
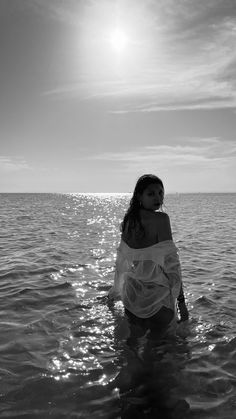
(147,209)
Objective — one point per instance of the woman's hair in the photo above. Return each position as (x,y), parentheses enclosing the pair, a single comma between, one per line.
(132,216)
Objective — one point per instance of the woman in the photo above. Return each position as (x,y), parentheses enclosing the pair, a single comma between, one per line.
(148,274)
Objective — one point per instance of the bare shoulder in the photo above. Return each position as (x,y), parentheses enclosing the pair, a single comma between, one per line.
(156,218)
(161,217)
(163,226)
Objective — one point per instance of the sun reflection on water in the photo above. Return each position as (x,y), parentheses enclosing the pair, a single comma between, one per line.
(97,342)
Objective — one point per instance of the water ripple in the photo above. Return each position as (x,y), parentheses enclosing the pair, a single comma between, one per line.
(66,353)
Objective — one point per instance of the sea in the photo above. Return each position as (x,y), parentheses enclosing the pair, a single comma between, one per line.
(67,352)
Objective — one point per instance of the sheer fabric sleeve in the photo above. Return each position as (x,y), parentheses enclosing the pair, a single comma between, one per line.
(172,270)
(115,291)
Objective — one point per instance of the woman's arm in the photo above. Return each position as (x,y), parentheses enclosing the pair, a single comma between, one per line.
(163,226)
(172,268)
(115,291)
(183,311)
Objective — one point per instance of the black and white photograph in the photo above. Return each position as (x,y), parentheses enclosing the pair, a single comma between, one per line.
(117,209)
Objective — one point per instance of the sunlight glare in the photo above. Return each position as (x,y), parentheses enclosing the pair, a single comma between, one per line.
(118,40)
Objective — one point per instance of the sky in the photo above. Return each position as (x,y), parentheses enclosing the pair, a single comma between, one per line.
(95,93)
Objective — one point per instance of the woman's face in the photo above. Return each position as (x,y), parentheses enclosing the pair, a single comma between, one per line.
(152,197)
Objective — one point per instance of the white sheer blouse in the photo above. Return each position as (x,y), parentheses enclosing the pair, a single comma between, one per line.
(147,279)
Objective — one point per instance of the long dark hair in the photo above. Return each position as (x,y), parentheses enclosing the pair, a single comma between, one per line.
(132,216)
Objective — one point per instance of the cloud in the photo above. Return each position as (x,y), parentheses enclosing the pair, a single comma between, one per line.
(207,153)
(13,164)
(63,11)
(182,55)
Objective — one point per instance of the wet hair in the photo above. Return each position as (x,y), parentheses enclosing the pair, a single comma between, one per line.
(132,216)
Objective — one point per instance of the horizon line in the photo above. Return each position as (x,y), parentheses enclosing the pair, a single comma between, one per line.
(114,193)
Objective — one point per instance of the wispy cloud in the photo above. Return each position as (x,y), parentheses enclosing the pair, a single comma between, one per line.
(182,57)
(64,11)
(201,152)
(13,164)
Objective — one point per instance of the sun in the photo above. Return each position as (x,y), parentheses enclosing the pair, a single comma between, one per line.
(118,40)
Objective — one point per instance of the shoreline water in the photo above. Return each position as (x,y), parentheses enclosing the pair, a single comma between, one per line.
(63,351)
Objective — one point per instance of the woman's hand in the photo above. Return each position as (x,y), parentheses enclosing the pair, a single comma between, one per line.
(183,311)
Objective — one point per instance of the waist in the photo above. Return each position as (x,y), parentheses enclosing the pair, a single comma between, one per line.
(162,318)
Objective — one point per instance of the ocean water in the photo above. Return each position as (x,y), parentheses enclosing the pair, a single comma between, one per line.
(66,353)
